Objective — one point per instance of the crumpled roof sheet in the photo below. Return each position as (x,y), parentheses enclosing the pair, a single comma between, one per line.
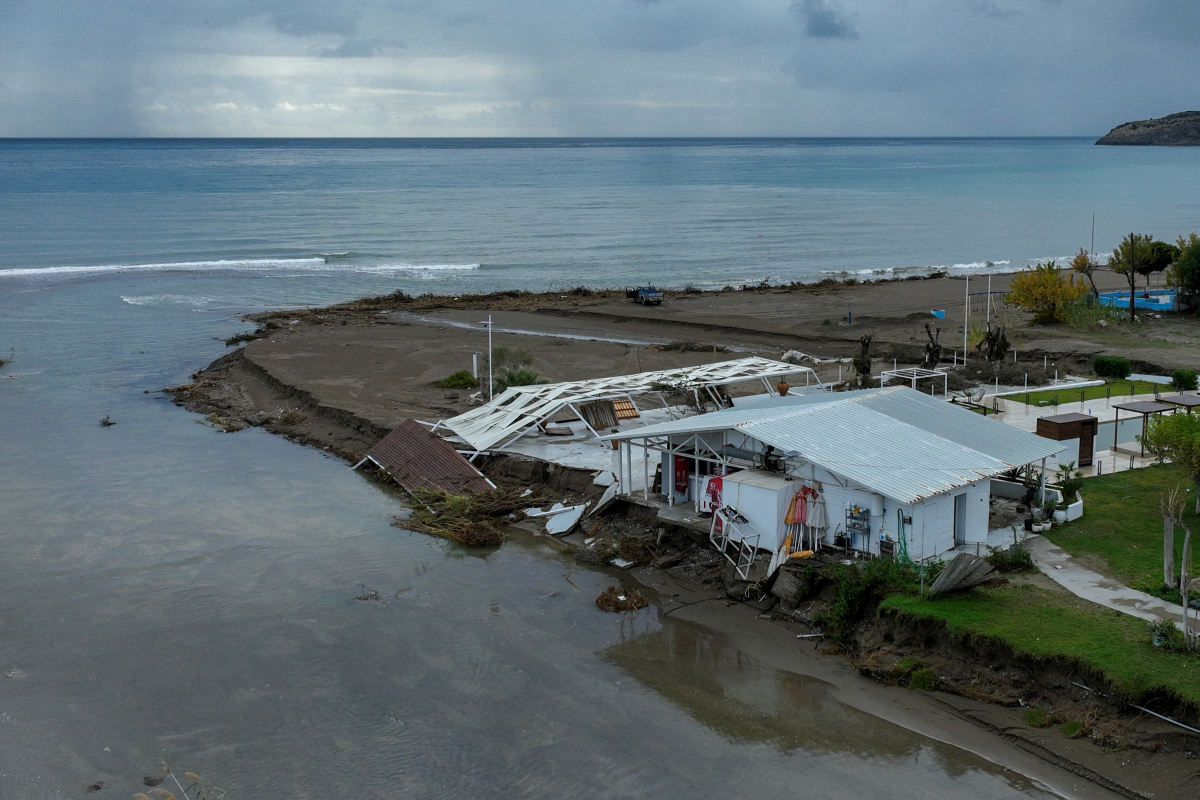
(418,459)
(889,440)
(522,406)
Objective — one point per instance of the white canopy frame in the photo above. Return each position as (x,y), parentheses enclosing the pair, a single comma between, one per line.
(520,409)
(914,374)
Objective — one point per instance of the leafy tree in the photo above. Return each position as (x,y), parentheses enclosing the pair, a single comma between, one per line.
(1161,256)
(1177,437)
(1126,260)
(1045,291)
(1086,264)
(1184,273)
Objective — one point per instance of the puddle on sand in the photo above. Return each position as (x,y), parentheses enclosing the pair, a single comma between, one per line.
(833,748)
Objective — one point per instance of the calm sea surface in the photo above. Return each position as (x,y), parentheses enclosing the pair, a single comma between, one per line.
(170,593)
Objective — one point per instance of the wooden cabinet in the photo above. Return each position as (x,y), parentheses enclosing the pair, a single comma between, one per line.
(1065,427)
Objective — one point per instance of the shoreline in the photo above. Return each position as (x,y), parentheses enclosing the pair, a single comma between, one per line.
(352,371)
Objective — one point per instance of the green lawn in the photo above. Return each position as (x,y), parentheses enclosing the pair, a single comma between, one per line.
(1044,623)
(1120,533)
(1114,389)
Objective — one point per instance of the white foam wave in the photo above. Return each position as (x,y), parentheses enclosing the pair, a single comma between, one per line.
(970,268)
(416,267)
(313,265)
(257,264)
(167,299)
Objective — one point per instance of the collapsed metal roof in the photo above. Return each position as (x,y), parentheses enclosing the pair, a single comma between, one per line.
(519,408)
(894,441)
(418,459)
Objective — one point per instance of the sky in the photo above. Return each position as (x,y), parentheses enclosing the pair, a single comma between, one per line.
(593,67)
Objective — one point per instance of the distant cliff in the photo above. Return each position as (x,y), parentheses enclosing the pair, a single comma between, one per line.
(1177,129)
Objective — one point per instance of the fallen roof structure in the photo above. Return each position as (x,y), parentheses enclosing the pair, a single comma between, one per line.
(900,443)
(519,408)
(415,458)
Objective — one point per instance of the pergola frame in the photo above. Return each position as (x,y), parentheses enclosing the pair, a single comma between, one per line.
(520,409)
(914,374)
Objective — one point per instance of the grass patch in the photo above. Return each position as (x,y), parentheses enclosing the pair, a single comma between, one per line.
(1074,729)
(1117,390)
(1038,718)
(1047,624)
(1122,525)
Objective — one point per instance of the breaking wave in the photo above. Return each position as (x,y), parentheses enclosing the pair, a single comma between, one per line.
(293,265)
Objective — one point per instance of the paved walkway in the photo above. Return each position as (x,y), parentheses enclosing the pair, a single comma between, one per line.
(1079,580)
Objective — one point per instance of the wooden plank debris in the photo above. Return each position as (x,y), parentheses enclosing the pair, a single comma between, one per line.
(964,571)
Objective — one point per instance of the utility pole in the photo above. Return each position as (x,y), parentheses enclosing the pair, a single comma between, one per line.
(489,327)
(966,317)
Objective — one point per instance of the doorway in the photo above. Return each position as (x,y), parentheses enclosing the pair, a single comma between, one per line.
(960,519)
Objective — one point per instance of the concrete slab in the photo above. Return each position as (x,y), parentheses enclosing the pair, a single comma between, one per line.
(1083,582)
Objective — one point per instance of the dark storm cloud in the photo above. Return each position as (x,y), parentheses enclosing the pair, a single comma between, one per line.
(824,20)
(605,67)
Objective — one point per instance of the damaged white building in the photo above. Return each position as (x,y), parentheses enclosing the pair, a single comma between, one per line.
(879,472)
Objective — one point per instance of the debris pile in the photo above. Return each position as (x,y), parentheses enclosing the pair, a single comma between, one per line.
(615,599)
(476,521)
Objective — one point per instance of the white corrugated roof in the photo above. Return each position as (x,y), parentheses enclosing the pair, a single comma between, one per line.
(886,440)
(519,407)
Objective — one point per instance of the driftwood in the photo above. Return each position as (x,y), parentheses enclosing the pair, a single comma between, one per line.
(963,572)
(933,349)
(994,344)
(862,361)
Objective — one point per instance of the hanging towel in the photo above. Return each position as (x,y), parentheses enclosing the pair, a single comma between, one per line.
(816,512)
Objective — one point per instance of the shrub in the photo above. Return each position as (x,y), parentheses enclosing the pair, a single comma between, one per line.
(1014,560)
(858,589)
(1085,314)
(925,680)
(463,379)
(1045,291)
(517,377)
(1111,367)
(1183,379)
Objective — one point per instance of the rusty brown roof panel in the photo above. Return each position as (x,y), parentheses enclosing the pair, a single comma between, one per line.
(417,459)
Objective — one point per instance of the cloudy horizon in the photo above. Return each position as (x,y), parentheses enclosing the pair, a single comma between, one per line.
(605,68)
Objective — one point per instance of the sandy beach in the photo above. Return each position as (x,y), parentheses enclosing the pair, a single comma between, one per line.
(358,369)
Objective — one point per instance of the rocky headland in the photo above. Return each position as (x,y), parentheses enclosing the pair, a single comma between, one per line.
(1176,130)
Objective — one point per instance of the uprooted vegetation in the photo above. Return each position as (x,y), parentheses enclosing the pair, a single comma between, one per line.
(249,336)
(472,521)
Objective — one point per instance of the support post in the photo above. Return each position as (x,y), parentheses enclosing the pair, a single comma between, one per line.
(645,470)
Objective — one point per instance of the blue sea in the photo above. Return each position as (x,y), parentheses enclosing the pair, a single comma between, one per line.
(174,595)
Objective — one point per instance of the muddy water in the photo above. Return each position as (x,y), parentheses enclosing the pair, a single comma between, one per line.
(173,594)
